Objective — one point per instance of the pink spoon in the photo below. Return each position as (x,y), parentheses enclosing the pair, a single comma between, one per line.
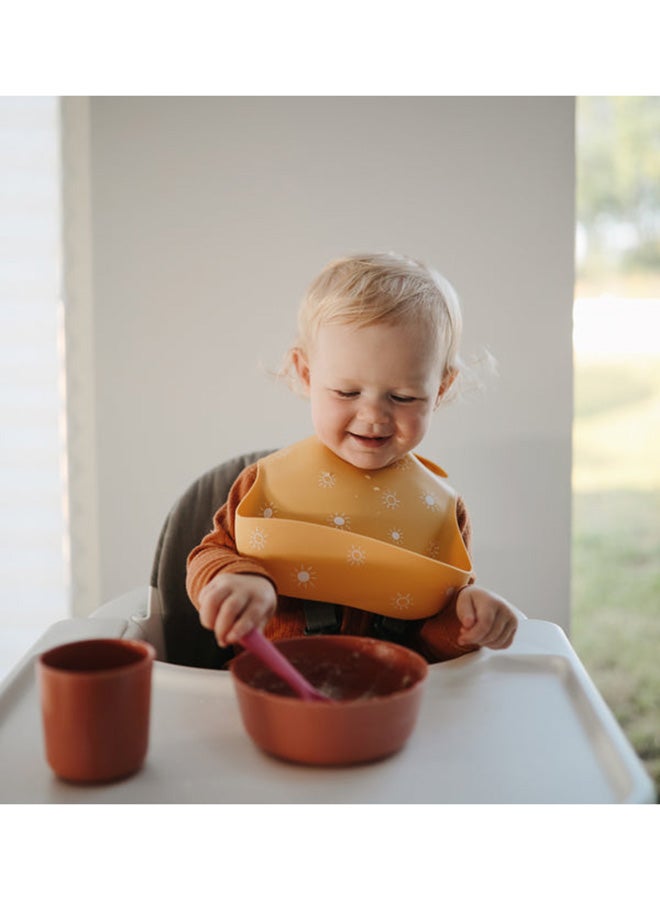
(270,656)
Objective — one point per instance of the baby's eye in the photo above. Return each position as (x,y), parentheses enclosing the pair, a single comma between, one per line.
(347,395)
(398,398)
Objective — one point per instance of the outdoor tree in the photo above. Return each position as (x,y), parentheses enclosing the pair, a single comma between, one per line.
(618,184)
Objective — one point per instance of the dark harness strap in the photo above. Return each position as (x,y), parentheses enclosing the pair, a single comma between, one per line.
(320,618)
(325,618)
(395,630)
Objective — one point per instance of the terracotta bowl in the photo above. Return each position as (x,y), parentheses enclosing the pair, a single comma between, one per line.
(376,687)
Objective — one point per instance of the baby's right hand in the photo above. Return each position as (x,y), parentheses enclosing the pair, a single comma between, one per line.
(232,604)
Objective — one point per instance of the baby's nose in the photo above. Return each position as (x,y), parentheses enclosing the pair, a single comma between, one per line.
(373,411)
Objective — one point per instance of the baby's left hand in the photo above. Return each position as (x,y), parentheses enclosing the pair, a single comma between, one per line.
(486,619)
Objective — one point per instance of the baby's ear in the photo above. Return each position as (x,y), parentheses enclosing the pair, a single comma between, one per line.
(448,379)
(301,366)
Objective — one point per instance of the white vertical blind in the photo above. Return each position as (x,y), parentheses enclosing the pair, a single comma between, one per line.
(34,580)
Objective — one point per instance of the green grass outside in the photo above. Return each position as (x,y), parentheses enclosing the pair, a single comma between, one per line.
(615,625)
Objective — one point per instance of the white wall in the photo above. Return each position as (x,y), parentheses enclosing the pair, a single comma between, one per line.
(209,218)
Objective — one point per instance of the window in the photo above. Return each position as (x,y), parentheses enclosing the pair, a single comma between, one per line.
(34,569)
(616,470)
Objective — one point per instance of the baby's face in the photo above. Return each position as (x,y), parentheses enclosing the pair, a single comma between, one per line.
(372,390)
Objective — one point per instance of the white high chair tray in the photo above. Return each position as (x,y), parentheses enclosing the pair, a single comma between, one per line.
(525,725)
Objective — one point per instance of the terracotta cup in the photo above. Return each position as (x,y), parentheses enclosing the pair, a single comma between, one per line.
(95,705)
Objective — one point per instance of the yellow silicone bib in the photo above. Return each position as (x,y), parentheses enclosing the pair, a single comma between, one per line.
(385,541)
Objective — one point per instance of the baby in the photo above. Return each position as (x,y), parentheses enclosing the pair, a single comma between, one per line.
(349,531)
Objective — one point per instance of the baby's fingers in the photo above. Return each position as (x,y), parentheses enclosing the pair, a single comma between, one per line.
(253,615)
(466,609)
(495,629)
(211,599)
(502,634)
(229,618)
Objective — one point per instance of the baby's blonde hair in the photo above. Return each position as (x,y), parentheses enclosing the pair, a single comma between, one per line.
(381,287)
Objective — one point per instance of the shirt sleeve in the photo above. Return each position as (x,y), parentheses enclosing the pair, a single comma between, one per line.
(217,551)
(438,635)
(464,524)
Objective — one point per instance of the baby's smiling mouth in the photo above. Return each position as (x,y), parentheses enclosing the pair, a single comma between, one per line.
(370,440)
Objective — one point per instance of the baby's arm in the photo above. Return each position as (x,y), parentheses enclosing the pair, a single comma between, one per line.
(486,620)
(232,593)
(483,620)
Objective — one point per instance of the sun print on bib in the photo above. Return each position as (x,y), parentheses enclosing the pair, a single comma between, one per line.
(395,535)
(433,550)
(304,576)
(356,556)
(340,520)
(258,539)
(430,501)
(268,510)
(327,480)
(390,499)
(402,602)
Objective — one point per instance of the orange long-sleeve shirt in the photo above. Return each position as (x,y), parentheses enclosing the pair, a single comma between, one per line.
(435,638)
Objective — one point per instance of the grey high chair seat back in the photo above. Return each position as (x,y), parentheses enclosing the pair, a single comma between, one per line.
(187,642)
